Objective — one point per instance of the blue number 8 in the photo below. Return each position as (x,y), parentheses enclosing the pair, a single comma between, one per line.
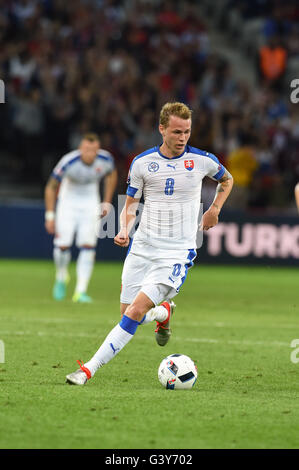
(176,269)
(169,187)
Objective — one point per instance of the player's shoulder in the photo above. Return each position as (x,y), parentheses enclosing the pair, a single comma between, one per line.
(147,153)
(69,158)
(64,163)
(105,155)
(201,153)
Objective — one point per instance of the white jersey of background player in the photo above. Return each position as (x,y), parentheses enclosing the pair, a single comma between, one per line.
(163,247)
(78,209)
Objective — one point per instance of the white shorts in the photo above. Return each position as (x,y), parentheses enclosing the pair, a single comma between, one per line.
(72,220)
(158,273)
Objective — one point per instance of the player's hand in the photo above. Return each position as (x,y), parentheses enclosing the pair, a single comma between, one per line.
(210,218)
(105,208)
(122,238)
(50,226)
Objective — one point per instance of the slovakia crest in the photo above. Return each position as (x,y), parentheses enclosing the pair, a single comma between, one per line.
(153,167)
(189,164)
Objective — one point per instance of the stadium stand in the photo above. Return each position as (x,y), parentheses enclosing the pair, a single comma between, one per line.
(107,66)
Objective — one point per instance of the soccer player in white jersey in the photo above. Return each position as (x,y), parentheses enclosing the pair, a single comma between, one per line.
(162,251)
(78,174)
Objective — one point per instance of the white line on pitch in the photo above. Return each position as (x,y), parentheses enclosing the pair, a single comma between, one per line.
(177,323)
(140,337)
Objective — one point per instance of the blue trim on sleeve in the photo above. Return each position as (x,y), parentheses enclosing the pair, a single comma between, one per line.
(220,173)
(57,177)
(129,325)
(131,191)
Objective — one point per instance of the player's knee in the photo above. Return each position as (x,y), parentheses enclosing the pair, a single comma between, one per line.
(135,312)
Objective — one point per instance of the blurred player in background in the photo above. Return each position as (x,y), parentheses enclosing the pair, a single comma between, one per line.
(77,176)
(297,195)
(170,178)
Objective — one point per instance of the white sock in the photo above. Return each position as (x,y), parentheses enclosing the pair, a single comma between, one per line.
(113,344)
(61,259)
(157,313)
(85,263)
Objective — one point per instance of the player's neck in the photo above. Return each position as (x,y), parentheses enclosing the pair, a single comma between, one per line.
(167,152)
(87,162)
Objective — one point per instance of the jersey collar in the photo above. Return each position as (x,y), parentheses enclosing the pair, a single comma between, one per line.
(171,158)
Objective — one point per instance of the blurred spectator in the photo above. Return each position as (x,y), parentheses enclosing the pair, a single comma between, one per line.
(242,164)
(272,62)
(109,66)
(148,135)
(28,124)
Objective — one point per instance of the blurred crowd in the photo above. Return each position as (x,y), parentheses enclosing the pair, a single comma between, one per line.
(108,66)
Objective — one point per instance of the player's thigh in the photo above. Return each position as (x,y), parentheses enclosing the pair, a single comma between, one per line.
(157,293)
(171,271)
(65,225)
(134,271)
(87,227)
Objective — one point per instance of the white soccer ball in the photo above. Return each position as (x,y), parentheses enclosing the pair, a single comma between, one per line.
(177,371)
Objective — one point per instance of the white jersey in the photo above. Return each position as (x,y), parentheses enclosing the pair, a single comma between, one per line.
(79,181)
(172,195)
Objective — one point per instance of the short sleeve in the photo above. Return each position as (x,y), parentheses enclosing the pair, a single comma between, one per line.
(135,181)
(214,168)
(107,161)
(59,170)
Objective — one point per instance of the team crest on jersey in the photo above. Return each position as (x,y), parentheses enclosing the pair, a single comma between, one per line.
(153,167)
(189,164)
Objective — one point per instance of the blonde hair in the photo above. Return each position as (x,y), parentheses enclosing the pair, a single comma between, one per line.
(174,109)
(91,137)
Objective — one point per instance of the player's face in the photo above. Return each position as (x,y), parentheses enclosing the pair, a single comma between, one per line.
(176,134)
(89,151)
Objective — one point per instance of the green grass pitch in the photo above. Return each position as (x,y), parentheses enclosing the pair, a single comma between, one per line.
(237,323)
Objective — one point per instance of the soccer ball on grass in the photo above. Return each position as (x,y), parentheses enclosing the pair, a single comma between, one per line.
(177,371)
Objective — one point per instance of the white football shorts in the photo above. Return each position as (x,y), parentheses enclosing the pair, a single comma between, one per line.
(72,220)
(158,273)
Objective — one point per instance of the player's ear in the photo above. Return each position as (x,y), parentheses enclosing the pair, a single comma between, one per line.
(161,129)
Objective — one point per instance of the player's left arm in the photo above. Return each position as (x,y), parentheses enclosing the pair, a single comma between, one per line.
(110,183)
(224,187)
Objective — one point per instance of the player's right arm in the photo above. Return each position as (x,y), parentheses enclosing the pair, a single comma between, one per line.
(51,191)
(127,219)
(297,195)
(128,214)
